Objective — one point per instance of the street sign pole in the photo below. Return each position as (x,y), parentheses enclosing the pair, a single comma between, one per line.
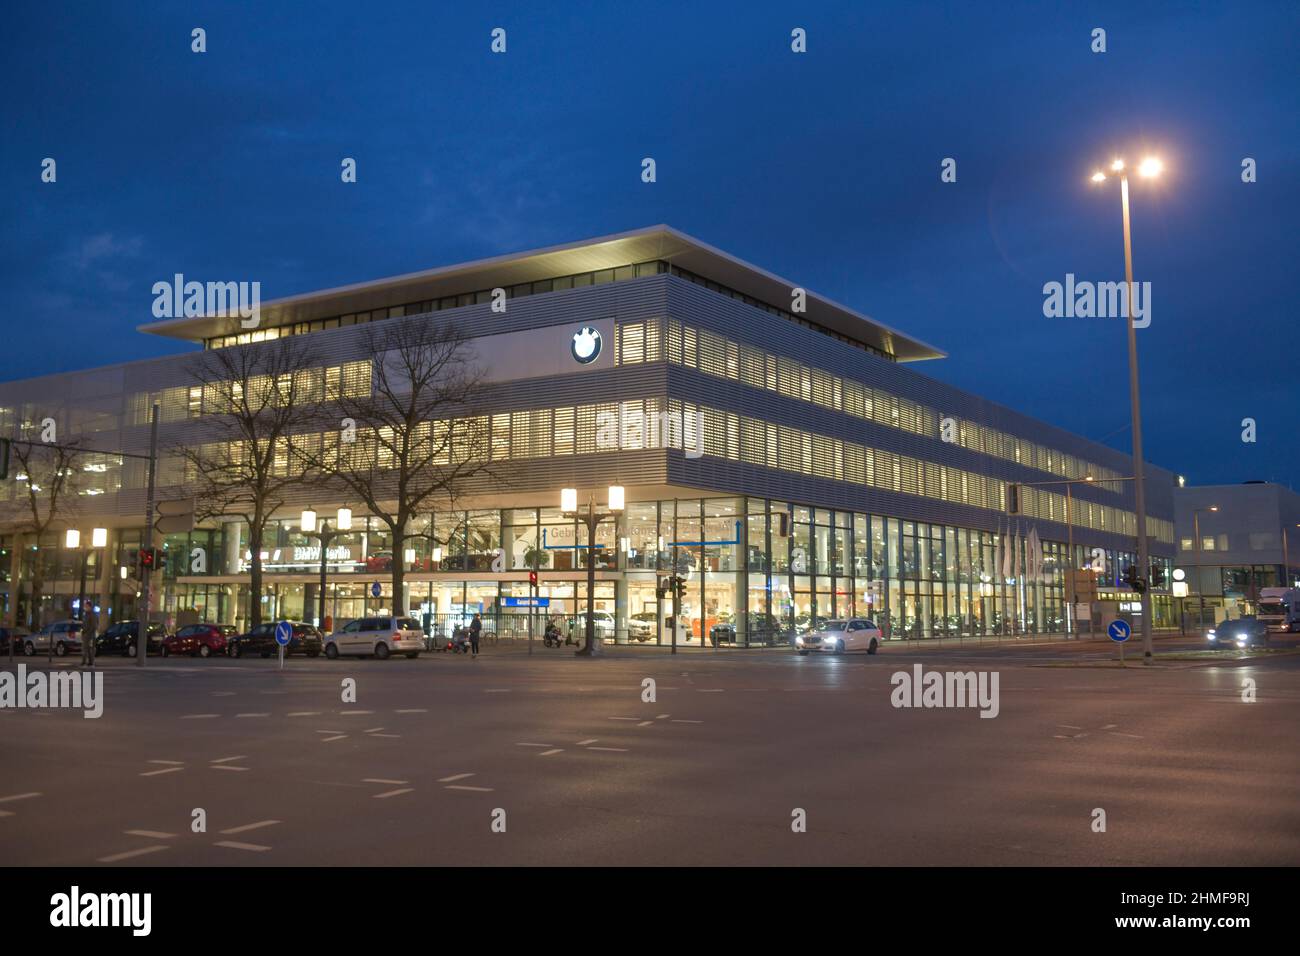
(146,585)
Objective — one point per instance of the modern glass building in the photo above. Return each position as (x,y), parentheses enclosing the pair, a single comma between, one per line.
(779,450)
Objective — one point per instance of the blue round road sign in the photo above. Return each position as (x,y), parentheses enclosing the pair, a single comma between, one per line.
(375,589)
(1119,631)
(283,633)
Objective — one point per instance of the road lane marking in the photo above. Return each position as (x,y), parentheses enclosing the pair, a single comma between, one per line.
(677,721)
(710,690)
(130,853)
(457,786)
(392,793)
(497,690)
(251,826)
(227,759)
(553,750)
(589,740)
(199,716)
(223,693)
(457,776)
(622,718)
(1116,733)
(393,736)
(18,796)
(6,813)
(155,773)
(645,723)
(621,750)
(412,710)
(347,713)
(329,731)
(252,715)
(174,763)
(661,717)
(395,783)
(151,834)
(304,713)
(226,766)
(372,730)
(235,845)
(326,740)
(543,746)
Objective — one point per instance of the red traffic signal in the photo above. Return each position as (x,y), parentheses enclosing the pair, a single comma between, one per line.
(532,578)
(150,558)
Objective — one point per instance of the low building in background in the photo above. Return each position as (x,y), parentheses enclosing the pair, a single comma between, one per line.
(1233,541)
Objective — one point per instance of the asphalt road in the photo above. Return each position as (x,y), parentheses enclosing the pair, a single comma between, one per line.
(416,769)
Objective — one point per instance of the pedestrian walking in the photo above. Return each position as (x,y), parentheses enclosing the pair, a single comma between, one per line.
(89,628)
(475,629)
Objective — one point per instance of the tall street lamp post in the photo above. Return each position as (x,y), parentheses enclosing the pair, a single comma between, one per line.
(1149,168)
(592,518)
(342,525)
(1200,586)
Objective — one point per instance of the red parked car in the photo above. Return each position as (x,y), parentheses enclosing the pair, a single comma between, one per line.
(201,639)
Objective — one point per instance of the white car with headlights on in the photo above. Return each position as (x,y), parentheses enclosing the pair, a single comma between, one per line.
(837,637)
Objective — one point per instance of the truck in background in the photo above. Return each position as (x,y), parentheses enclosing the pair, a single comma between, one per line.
(1279,608)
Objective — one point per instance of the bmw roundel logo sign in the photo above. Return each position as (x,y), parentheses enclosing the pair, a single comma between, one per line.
(585,345)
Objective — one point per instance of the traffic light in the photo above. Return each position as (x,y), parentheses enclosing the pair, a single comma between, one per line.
(532,578)
(150,559)
(1157,575)
(1133,581)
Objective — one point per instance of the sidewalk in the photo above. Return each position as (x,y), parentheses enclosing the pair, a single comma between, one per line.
(1098,639)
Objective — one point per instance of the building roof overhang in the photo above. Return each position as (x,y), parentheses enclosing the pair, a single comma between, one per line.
(640,245)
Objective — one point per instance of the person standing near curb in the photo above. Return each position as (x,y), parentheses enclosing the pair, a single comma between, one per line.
(475,629)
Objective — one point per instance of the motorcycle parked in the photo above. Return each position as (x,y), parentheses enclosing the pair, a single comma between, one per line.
(459,643)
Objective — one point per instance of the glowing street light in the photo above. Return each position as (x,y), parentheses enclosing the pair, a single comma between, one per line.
(1149,168)
(569,505)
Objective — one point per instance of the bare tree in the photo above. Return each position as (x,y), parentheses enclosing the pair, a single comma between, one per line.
(243,457)
(413,439)
(51,476)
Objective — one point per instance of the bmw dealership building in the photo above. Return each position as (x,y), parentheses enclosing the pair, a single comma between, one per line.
(778,450)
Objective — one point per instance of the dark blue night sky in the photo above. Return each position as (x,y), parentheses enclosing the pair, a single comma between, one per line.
(823,168)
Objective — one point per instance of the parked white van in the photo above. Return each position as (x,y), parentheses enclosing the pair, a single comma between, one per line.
(378,636)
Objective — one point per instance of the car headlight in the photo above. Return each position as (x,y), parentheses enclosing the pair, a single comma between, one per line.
(798,640)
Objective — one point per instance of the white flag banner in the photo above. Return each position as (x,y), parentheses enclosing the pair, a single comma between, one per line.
(1035,557)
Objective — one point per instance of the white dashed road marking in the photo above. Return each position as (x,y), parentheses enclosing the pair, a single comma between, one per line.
(304,713)
(589,740)
(458,776)
(251,847)
(18,796)
(347,713)
(394,783)
(151,834)
(412,710)
(130,853)
(456,786)
(621,750)
(252,715)
(326,740)
(543,746)
(227,759)
(199,716)
(553,750)
(155,773)
(392,793)
(251,826)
